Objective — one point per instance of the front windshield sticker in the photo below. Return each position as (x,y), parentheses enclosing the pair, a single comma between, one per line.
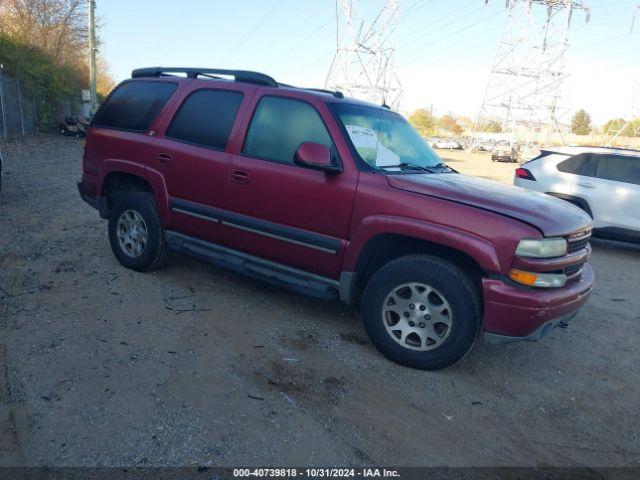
(362,137)
(368,145)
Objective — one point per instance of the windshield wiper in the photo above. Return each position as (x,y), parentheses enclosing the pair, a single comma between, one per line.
(423,168)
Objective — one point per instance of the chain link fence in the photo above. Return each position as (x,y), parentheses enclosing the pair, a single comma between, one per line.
(18,114)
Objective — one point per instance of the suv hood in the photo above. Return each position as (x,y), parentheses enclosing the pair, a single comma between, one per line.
(551,216)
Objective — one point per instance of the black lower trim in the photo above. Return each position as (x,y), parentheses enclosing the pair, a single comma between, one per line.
(99,203)
(254,225)
(86,198)
(273,272)
(616,233)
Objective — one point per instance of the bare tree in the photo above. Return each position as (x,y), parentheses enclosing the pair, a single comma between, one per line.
(58,27)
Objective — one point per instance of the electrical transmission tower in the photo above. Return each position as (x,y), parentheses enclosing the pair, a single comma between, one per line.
(524,92)
(632,126)
(363,66)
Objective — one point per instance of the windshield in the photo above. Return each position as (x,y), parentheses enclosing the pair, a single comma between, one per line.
(385,140)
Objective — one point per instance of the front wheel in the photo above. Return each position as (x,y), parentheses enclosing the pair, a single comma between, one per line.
(135,231)
(422,312)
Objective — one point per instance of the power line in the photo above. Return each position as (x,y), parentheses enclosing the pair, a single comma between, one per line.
(442,38)
(250,33)
(432,31)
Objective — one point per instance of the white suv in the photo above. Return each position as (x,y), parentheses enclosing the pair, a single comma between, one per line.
(605,182)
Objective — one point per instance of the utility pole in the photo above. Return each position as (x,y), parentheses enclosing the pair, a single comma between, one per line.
(527,78)
(363,66)
(92,55)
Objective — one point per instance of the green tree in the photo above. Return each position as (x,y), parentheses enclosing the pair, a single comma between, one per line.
(422,121)
(581,123)
(494,127)
(613,126)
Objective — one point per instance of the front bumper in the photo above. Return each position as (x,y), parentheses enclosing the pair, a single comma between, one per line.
(512,313)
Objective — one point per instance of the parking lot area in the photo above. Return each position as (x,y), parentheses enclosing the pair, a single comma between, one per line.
(194,365)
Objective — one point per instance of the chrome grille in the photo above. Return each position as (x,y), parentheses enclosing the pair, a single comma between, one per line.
(578,241)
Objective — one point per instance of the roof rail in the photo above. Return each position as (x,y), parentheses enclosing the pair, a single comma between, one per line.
(239,75)
(335,93)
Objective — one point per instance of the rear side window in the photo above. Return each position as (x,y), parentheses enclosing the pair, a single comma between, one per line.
(280,125)
(134,105)
(205,118)
(582,164)
(619,168)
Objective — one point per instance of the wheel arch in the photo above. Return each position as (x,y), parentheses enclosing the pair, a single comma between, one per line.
(131,177)
(383,248)
(579,202)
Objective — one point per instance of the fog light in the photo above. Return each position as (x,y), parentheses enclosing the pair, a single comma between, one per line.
(531,279)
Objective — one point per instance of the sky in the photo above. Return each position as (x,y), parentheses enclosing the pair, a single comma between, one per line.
(444,48)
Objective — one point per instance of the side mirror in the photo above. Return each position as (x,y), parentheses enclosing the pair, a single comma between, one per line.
(316,156)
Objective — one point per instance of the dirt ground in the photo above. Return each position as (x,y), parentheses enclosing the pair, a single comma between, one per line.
(193,365)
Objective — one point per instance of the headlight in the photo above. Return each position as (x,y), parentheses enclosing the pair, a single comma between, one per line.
(545,248)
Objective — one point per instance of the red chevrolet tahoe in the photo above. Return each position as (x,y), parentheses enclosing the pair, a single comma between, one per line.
(331,197)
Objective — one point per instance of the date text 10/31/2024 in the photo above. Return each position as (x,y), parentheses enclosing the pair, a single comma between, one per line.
(315,473)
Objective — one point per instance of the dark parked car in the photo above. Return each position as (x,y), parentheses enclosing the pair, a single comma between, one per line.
(336,198)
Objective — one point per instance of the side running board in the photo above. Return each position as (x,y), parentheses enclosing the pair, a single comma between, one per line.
(272,272)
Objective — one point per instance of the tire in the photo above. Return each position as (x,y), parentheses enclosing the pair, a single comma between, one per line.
(447,283)
(151,253)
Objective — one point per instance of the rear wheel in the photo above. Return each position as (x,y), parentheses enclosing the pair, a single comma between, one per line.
(135,231)
(422,312)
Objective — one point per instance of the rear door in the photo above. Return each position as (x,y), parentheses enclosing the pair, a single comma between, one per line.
(280,211)
(614,192)
(192,158)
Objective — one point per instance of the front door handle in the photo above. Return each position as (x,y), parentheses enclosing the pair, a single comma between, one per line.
(165,159)
(240,176)
(585,185)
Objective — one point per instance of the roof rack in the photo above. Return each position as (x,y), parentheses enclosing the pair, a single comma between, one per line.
(239,75)
(335,93)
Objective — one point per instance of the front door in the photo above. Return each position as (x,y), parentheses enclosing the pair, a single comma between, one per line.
(278,210)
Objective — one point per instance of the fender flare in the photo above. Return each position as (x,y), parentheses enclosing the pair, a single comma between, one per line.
(478,248)
(151,176)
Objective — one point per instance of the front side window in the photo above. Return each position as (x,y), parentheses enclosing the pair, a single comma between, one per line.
(385,140)
(134,105)
(278,127)
(620,168)
(205,118)
(582,164)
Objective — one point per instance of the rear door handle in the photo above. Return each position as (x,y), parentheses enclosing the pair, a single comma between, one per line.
(240,176)
(585,185)
(164,159)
